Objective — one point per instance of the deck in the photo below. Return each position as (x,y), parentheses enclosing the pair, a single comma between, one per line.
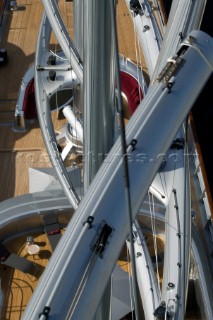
(18,286)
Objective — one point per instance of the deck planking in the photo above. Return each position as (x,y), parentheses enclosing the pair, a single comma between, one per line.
(18,286)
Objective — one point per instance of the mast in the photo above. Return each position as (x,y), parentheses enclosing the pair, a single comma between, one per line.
(98,98)
(98,86)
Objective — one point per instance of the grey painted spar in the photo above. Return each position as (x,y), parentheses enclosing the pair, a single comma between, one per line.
(44,114)
(76,276)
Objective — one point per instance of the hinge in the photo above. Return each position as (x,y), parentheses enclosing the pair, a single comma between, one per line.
(170,69)
(101,239)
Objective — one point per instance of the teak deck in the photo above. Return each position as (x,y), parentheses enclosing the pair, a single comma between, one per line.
(18,286)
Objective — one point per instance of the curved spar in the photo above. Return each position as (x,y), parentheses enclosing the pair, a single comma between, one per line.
(44,115)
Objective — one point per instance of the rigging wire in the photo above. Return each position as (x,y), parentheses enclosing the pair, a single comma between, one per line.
(125,159)
(83,282)
(140,68)
(134,23)
(152,214)
(130,282)
(138,60)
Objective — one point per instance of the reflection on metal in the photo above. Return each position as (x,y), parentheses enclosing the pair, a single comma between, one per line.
(98,86)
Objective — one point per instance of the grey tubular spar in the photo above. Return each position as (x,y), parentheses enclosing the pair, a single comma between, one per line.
(75,278)
(148,34)
(44,115)
(146,275)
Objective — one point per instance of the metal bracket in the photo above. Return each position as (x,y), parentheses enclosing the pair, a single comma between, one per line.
(45,312)
(178,144)
(170,69)
(131,146)
(89,220)
(101,239)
